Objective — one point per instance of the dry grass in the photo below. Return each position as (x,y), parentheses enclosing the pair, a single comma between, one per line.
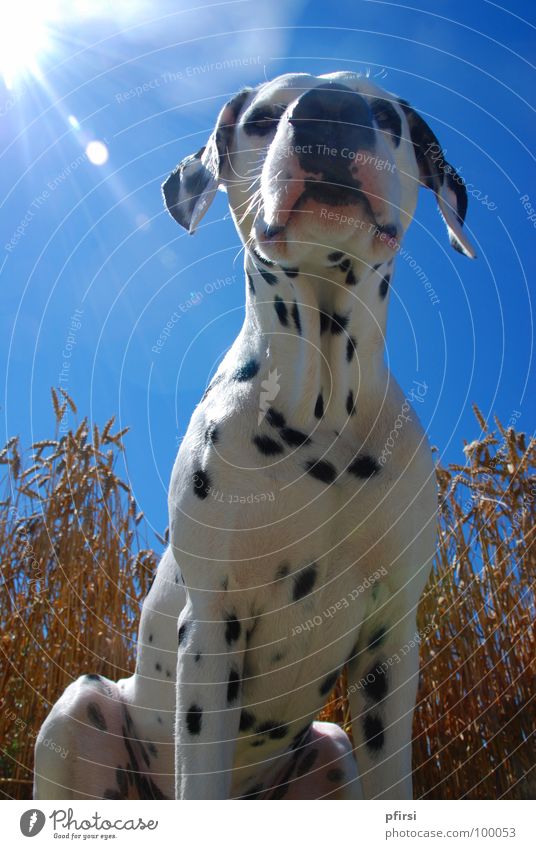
(74,574)
(474,722)
(75,571)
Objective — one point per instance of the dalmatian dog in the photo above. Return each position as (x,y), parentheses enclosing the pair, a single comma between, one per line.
(298,546)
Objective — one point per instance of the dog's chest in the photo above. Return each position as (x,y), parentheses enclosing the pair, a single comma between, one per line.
(246,496)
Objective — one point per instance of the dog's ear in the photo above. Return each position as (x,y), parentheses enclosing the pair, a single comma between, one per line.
(435,173)
(190,188)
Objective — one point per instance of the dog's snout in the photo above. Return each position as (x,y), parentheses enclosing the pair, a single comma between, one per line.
(329,120)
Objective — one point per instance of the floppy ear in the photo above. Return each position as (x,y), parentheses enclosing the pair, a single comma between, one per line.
(435,173)
(190,188)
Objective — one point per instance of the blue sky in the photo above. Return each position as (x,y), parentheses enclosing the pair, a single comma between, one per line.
(93,241)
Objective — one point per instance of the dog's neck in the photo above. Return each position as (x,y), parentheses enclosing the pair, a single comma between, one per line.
(318,336)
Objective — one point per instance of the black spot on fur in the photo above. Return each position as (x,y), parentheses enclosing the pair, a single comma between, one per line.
(158,667)
(198,657)
(351,279)
(92,676)
(322,470)
(275,730)
(246,720)
(274,418)
(325,321)
(345,265)
(282,571)
(150,638)
(267,446)
(194,719)
(304,581)
(335,256)
(270,278)
(351,345)
(376,638)
(246,371)
(319,407)
(232,629)
(233,686)
(375,683)
(296,317)
(96,716)
(307,762)
(338,323)
(373,732)
(335,775)
(201,484)
(281,310)
(327,685)
(293,437)
(291,272)
(364,466)
(384,286)
(350,403)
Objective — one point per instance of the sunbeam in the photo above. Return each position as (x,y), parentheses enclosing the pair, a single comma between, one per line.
(25,37)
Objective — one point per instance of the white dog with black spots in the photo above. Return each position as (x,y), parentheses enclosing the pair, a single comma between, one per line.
(268,599)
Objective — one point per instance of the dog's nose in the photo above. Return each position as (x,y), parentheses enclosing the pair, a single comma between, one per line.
(329,121)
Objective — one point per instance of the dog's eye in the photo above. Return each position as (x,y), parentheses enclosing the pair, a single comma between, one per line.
(263,119)
(387,118)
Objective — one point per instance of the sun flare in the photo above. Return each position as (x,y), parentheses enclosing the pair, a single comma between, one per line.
(24,38)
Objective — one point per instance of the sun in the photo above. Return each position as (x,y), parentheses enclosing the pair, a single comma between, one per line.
(24,37)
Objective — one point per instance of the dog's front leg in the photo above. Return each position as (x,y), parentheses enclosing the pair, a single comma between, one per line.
(382,687)
(209,673)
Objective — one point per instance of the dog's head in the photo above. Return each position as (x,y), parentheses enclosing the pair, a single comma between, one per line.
(308,161)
